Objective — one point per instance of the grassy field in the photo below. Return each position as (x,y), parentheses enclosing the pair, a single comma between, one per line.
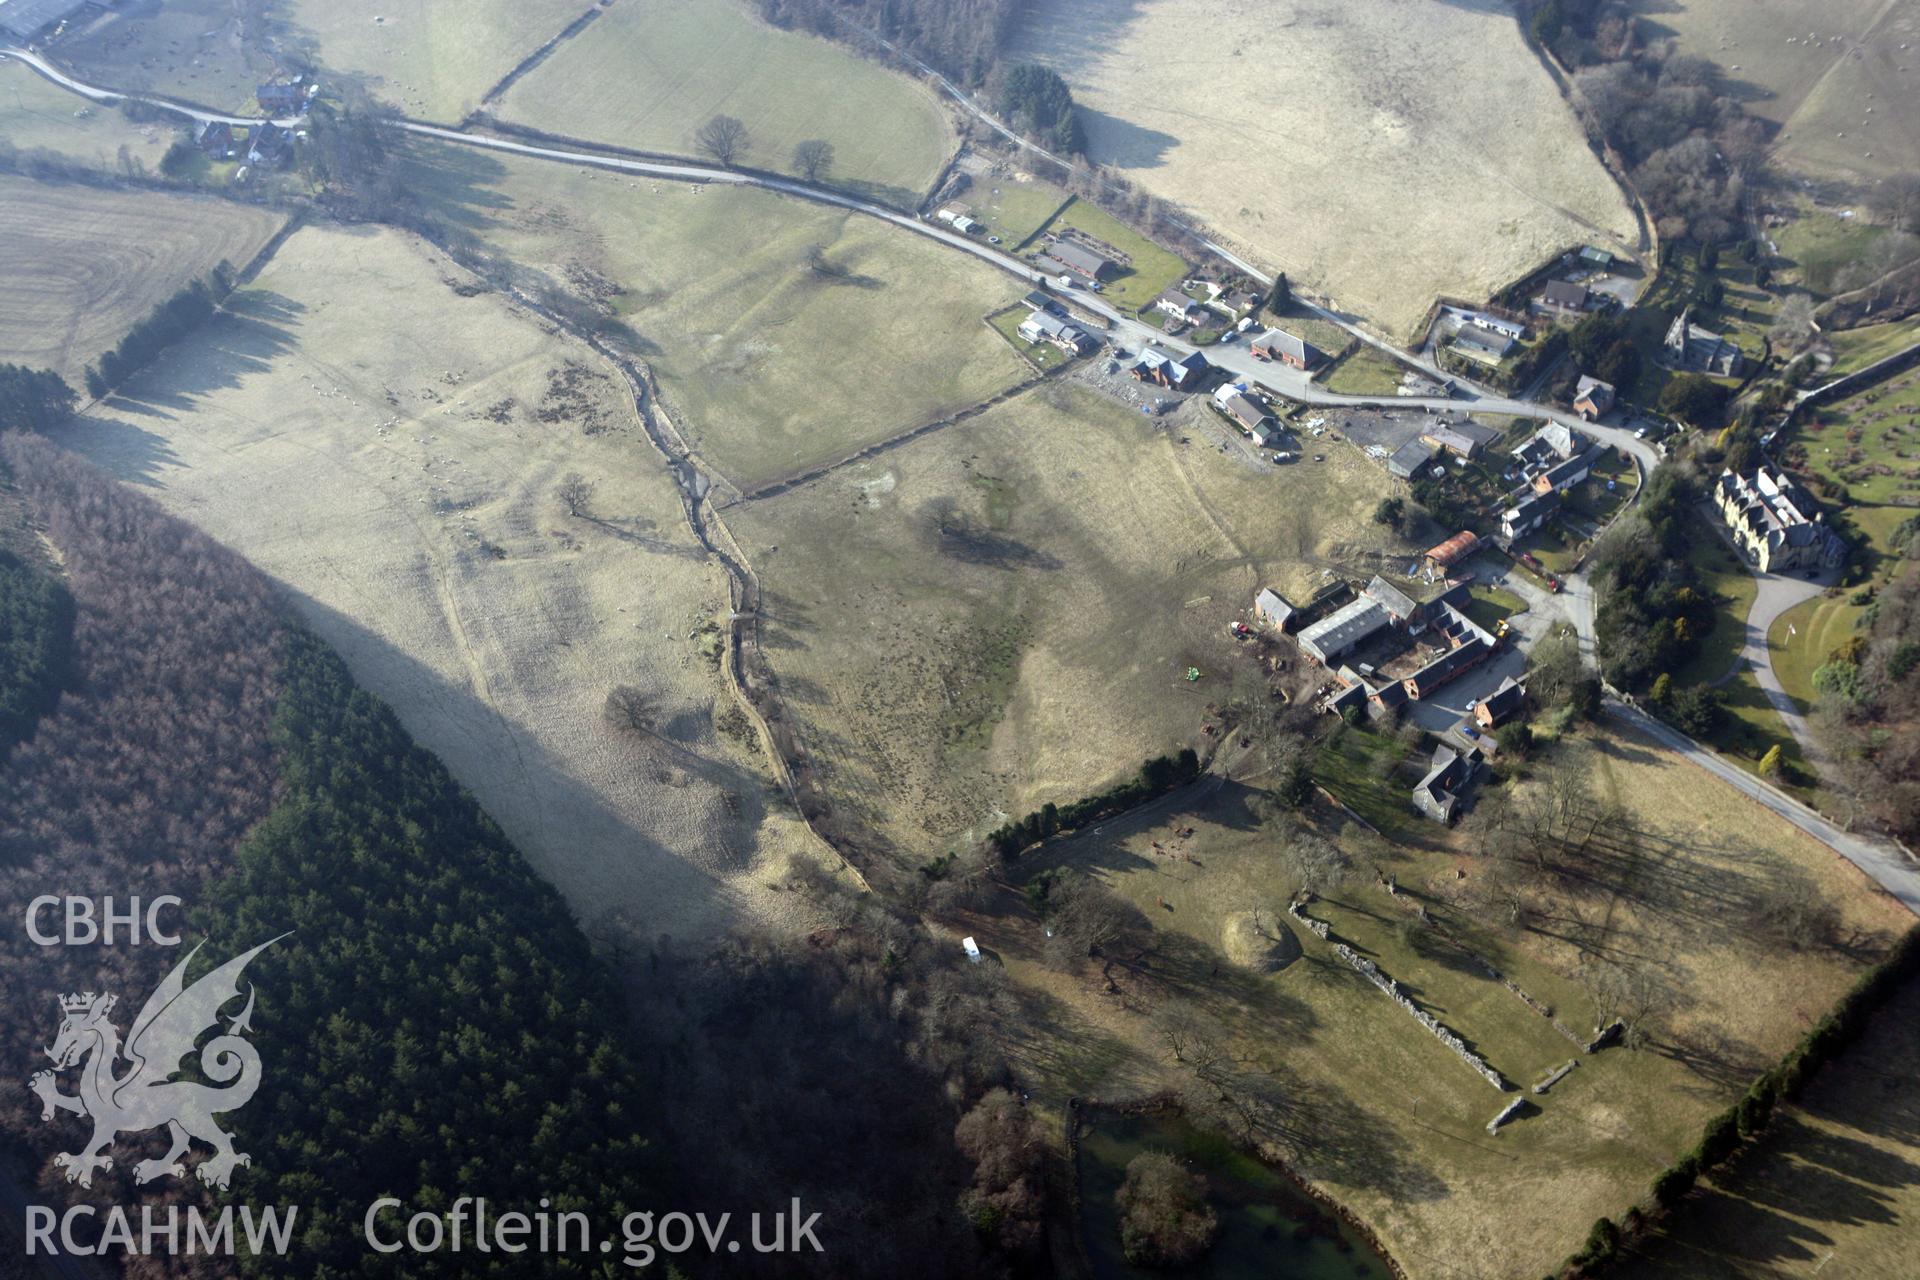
(191,49)
(1388,1121)
(1001,613)
(1152,269)
(430,59)
(82,264)
(648,73)
(403,479)
(1298,139)
(1366,371)
(1812,74)
(1855,349)
(770,364)
(1833,1189)
(1818,246)
(1012,209)
(1804,636)
(35,114)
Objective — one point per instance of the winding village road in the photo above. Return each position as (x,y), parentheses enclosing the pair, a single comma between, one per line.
(1882,860)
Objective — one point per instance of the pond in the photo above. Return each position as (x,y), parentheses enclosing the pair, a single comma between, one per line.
(1269,1228)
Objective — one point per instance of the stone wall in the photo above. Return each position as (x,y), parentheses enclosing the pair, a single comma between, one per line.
(1556,1075)
(1378,977)
(1321,929)
(1506,1113)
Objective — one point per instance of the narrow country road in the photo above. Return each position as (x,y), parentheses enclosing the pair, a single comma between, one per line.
(94,93)
(1883,862)
(1124,330)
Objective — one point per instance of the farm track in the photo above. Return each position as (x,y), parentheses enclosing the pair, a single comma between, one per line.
(695,485)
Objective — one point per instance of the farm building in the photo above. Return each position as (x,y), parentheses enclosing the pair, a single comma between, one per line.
(1278,344)
(1485,345)
(1038,301)
(1077,259)
(1464,438)
(1593,257)
(1272,608)
(22,20)
(1178,305)
(1402,608)
(1158,367)
(1470,645)
(1437,794)
(1690,347)
(1449,666)
(1502,705)
(1564,297)
(1528,514)
(1409,458)
(1044,326)
(1776,523)
(1380,700)
(1592,398)
(1334,636)
(1451,552)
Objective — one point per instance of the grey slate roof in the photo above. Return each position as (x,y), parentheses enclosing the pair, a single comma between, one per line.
(1343,628)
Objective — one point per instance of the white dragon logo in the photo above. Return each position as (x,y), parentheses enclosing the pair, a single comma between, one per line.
(146,1097)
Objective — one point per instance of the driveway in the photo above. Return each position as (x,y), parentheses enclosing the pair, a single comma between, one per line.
(1778,594)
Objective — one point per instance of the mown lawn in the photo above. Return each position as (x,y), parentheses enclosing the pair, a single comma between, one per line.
(1803,637)
(1012,210)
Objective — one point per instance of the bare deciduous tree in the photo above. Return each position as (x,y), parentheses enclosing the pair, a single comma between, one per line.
(722,137)
(576,495)
(630,710)
(1632,995)
(1316,862)
(812,159)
